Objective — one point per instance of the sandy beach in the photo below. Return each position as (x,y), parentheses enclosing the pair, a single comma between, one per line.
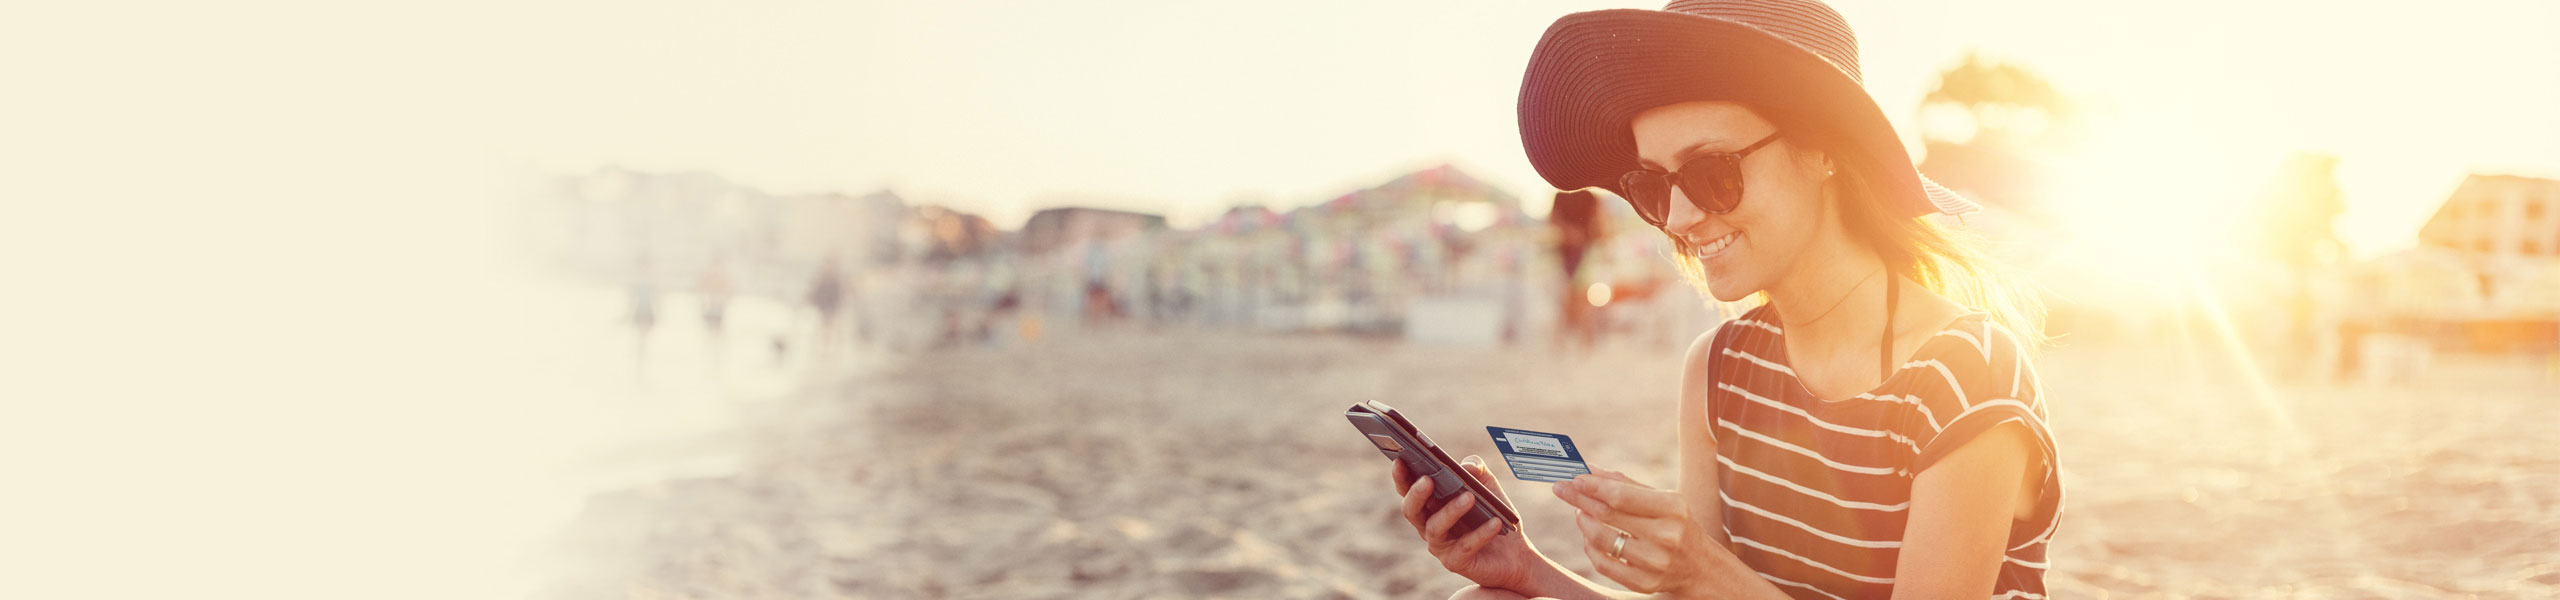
(1124,463)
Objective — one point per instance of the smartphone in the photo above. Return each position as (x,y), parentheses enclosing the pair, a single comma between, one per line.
(1400,440)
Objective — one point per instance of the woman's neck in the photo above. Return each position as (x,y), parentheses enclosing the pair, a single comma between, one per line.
(1835,302)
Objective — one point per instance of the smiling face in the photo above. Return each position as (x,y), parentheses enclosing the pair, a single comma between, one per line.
(1783,211)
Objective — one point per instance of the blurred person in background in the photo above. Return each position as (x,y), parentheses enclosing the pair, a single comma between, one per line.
(1873,428)
(1097,303)
(826,296)
(1576,218)
(643,295)
(712,290)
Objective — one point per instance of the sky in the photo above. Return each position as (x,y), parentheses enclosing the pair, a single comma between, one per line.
(1185,108)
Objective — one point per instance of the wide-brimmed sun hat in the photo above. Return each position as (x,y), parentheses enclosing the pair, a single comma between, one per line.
(1594,71)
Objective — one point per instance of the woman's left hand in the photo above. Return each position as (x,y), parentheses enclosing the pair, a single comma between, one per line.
(1665,551)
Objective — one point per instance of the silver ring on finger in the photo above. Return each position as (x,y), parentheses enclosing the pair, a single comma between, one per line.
(1618,548)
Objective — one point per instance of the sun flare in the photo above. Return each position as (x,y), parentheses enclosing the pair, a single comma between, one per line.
(2144,203)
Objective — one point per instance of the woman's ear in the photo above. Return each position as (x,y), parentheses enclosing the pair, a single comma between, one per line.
(1816,162)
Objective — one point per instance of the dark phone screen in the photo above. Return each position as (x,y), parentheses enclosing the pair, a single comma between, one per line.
(1425,459)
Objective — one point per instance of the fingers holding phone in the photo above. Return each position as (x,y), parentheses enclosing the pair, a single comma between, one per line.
(1483,553)
(1475,467)
(1456,507)
(1436,517)
(1404,476)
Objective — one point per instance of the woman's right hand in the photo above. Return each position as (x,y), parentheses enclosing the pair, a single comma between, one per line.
(1485,555)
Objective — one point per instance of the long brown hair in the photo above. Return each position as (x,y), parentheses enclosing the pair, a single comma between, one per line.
(1950,262)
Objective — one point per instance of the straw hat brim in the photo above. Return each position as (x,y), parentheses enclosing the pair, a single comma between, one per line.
(1594,71)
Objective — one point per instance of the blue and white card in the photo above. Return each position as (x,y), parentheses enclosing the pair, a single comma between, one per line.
(1534,456)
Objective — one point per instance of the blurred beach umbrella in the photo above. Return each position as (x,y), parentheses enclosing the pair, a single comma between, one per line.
(1421,195)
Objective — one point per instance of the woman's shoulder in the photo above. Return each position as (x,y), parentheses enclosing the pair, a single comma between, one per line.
(1979,353)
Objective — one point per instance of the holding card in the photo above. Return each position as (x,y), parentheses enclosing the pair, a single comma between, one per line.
(1534,456)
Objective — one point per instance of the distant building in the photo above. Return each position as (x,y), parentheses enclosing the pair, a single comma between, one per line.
(2487,265)
(938,234)
(2499,215)
(855,229)
(2506,229)
(1055,228)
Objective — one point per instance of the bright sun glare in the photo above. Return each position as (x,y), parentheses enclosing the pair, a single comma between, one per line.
(2145,204)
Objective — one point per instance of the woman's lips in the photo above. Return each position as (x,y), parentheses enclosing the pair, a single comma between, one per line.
(1715,247)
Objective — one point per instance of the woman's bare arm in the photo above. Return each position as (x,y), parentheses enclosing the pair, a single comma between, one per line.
(1961,509)
(1698,482)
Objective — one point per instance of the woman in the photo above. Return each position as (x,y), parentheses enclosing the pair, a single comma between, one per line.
(1873,428)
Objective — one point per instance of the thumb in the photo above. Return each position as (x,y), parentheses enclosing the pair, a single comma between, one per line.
(1483,474)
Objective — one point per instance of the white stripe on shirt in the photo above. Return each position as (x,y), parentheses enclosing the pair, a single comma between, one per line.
(1912,400)
(1952,382)
(1783,445)
(1968,338)
(1728,500)
(1747,395)
(1760,324)
(1835,500)
(1758,361)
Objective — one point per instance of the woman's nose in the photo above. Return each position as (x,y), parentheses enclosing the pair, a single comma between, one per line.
(1684,216)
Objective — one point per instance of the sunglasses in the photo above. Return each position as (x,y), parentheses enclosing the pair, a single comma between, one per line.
(1712,181)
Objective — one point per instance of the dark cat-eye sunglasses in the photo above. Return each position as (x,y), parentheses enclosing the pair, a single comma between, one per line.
(1712,181)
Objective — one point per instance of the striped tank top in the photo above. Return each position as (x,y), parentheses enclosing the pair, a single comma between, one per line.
(1816,491)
